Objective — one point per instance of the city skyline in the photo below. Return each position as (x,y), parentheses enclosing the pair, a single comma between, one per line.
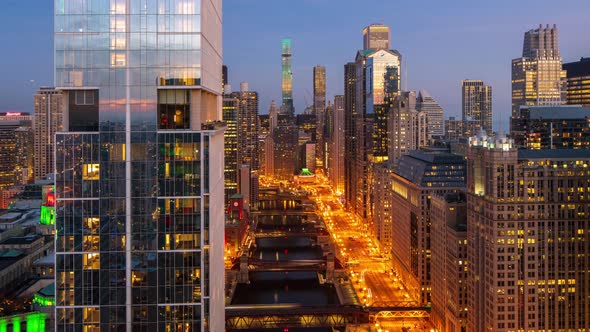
(453,28)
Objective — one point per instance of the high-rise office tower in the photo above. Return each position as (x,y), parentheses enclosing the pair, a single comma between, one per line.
(273,114)
(336,154)
(382,91)
(527,237)
(224,77)
(11,124)
(307,157)
(328,127)
(350,138)
(376,78)
(48,120)
(453,129)
(247,139)
(319,109)
(449,266)
(476,107)
(287,82)
(537,76)
(247,126)
(552,127)
(578,82)
(382,205)
(139,166)
(418,177)
(230,117)
(404,124)
(285,146)
(307,123)
(420,129)
(25,153)
(263,133)
(319,89)
(376,36)
(434,114)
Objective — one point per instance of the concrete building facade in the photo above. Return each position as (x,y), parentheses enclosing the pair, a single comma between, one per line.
(449,265)
(476,107)
(418,177)
(527,215)
(49,105)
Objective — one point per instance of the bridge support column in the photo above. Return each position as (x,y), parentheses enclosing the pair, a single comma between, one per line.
(330,268)
(243,275)
(324,242)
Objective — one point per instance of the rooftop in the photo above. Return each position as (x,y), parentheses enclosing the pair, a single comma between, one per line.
(433,169)
(12,253)
(367,52)
(578,68)
(436,157)
(561,112)
(455,197)
(46,260)
(553,154)
(28,239)
(10,216)
(7,258)
(48,290)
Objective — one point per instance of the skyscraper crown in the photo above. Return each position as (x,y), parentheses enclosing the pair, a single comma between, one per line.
(541,42)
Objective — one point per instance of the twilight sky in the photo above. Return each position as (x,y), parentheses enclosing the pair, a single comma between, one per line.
(442,42)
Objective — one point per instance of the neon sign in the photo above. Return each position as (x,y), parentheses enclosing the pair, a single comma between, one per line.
(50,199)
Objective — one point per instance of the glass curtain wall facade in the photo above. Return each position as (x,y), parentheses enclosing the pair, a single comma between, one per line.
(537,77)
(287,78)
(578,82)
(139,166)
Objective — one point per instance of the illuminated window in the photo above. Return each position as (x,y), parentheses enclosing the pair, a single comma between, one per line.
(91,224)
(90,171)
(118,7)
(91,243)
(91,261)
(174,109)
(186,7)
(118,60)
(91,315)
(118,43)
(118,24)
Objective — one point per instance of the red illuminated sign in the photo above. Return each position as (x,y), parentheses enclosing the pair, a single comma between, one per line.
(13,113)
(50,200)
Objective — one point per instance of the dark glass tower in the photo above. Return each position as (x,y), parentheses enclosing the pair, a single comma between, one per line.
(139,166)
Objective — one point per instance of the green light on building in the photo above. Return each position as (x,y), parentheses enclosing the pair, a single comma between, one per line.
(15,324)
(306,171)
(3,325)
(36,322)
(47,215)
(43,301)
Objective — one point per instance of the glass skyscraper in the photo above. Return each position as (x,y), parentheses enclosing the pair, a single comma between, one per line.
(139,166)
(287,78)
(537,77)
